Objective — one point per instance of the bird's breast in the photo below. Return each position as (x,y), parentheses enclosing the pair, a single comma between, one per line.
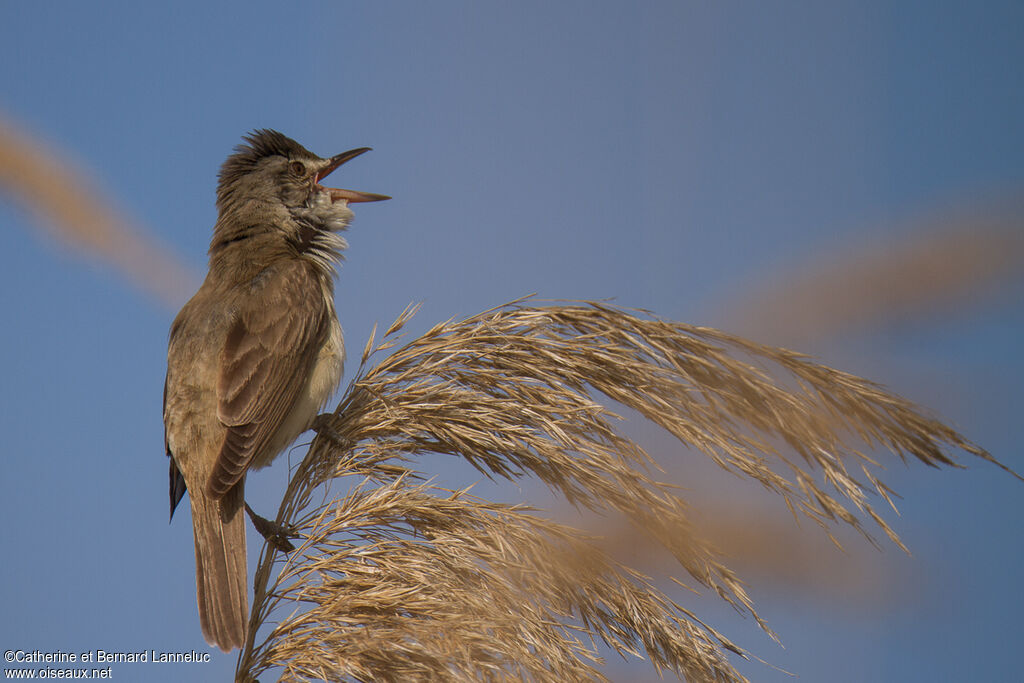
(329,365)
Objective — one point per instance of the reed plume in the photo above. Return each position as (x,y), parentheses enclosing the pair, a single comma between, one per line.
(397,578)
(946,264)
(72,209)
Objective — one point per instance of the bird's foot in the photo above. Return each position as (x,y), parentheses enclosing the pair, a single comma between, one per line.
(324,425)
(275,534)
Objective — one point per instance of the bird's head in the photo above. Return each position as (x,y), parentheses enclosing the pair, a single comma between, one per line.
(273,181)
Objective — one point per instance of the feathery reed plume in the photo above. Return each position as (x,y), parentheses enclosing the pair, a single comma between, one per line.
(764,547)
(959,259)
(399,579)
(64,200)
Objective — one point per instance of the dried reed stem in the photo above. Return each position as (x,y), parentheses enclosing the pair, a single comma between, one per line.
(402,580)
(68,202)
(946,263)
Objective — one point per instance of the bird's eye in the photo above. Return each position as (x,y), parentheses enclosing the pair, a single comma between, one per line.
(298,168)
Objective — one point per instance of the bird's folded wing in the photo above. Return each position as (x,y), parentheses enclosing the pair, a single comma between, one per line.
(267,358)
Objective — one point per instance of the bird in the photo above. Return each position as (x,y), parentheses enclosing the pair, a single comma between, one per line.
(255,354)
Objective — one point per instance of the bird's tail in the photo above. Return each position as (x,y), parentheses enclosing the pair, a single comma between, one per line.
(221,586)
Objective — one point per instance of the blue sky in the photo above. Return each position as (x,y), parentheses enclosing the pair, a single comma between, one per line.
(669,155)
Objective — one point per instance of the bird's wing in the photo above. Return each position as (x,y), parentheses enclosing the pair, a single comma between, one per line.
(177,482)
(269,352)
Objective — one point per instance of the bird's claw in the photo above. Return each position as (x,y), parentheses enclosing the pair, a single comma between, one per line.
(275,534)
(323,425)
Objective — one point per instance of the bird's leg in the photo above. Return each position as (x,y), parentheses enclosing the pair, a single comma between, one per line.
(368,460)
(323,425)
(274,533)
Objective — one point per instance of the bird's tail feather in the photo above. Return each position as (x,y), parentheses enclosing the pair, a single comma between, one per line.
(221,586)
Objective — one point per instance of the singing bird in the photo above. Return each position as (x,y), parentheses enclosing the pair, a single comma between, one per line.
(255,354)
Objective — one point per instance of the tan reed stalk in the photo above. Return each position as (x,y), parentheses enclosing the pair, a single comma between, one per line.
(399,579)
(69,204)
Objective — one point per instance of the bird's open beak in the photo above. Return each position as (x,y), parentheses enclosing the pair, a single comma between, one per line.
(351,196)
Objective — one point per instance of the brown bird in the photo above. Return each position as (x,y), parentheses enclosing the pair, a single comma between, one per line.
(255,354)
